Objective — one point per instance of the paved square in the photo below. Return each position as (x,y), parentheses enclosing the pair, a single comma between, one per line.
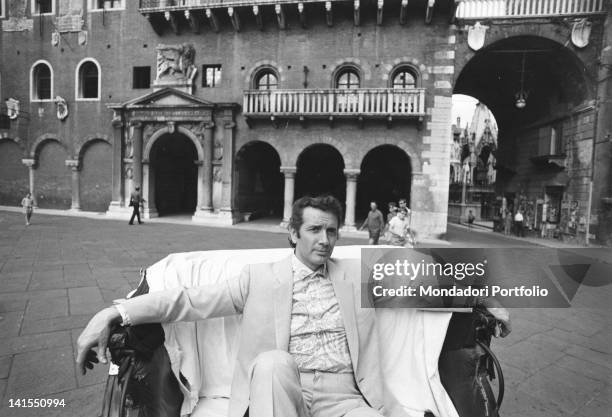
(56,273)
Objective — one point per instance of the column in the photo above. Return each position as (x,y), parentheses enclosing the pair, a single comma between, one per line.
(137,154)
(351,198)
(201,187)
(207,170)
(228,164)
(73,164)
(31,164)
(148,190)
(117,177)
(289,173)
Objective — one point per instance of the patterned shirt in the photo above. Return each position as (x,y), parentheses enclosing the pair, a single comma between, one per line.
(318,338)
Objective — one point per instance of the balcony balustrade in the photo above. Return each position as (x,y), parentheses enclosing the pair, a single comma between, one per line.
(362,103)
(512,9)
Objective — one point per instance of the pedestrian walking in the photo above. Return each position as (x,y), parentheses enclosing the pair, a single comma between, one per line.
(507,222)
(398,228)
(518,223)
(470,219)
(135,201)
(28,207)
(375,224)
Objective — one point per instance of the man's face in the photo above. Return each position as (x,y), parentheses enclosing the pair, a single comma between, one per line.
(373,206)
(317,237)
(402,204)
(402,215)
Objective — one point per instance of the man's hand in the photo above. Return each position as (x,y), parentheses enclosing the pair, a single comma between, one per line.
(494,307)
(97,334)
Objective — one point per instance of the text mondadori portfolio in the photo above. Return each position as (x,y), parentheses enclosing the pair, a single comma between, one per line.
(469,291)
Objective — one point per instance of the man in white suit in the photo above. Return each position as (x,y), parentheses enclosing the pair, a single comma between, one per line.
(306,347)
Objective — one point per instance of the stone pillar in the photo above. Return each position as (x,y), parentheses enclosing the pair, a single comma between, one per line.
(289,173)
(137,154)
(117,178)
(31,164)
(148,190)
(351,198)
(73,164)
(227,209)
(207,170)
(201,187)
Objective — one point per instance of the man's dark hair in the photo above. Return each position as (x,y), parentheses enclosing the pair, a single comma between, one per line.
(326,203)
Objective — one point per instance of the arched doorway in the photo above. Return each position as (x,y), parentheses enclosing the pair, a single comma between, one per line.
(320,170)
(259,180)
(386,174)
(175,174)
(53,180)
(539,91)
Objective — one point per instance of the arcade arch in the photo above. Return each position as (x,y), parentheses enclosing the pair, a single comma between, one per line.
(320,170)
(386,175)
(259,180)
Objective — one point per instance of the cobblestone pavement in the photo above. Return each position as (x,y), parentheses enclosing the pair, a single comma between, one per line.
(56,273)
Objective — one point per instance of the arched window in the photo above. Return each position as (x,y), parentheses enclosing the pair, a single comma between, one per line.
(404,78)
(88,80)
(347,79)
(41,81)
(266,79)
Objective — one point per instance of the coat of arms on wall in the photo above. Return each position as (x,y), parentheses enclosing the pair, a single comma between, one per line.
(476,36)
(581,31)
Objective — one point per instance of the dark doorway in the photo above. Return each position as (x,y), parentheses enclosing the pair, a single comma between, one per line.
(386,175)
(173,160)
(320,170)
(260,182)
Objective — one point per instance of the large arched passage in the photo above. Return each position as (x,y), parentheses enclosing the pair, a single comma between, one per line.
(96,174)
(259,180)
(14,179)
(320,170)
(173,164)
(539,92)
(386,175)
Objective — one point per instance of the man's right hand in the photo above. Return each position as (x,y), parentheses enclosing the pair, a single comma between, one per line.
(97,334)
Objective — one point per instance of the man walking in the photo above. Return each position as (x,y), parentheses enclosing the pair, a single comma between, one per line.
(135,200)
(28,206)
(518,223)
(375,224)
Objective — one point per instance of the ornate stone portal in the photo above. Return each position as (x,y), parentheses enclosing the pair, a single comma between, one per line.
(139,123)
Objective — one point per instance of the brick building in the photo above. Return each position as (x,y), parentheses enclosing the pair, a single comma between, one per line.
(229,110)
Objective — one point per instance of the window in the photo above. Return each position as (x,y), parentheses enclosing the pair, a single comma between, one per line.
(556,141)
(106,4)
(43,7)
(2,8)
(41,81)
(404,79)
(141,77)
(88,80)
(211,75)
(266,80)
(347,79)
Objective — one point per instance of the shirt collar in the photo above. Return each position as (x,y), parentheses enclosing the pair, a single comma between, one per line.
(301,271)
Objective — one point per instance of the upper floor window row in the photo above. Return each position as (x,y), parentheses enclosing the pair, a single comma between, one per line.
(48,7)
(87,81)
(346,77)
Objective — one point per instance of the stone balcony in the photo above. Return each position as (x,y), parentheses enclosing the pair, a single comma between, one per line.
(361,103)
(517,9)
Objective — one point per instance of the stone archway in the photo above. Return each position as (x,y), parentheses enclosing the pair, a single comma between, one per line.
(320,170)
(173,174)
(386,175)
(259,181)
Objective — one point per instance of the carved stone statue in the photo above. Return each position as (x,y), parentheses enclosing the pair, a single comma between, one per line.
(491,171)
(62,107)
(176,62)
